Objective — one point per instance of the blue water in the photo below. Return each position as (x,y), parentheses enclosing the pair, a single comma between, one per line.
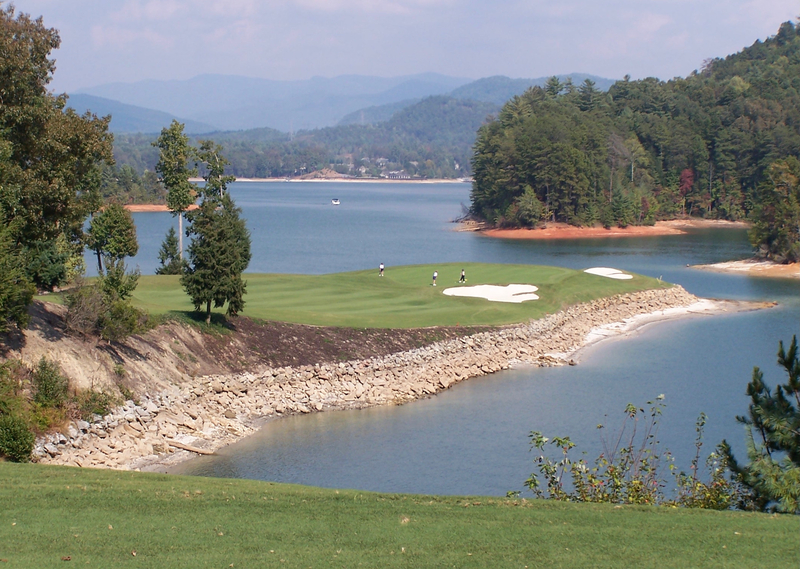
(472,439)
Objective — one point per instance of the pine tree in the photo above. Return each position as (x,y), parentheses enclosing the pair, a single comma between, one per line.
(218,255)
(773,439)
(169,255)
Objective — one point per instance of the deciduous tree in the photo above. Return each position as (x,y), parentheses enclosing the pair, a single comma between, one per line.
(112,234)
(174,173)
(49,157)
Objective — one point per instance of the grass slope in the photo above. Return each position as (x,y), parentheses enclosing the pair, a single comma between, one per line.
(99,518)
(404,298)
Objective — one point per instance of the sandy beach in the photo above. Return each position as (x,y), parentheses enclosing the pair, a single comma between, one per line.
(756,268)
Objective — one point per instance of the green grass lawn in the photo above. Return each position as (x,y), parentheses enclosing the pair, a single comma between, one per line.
(404,298)
(98,518)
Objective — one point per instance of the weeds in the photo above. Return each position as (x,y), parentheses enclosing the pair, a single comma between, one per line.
(631,468)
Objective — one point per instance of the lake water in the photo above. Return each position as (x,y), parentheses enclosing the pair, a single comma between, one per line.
(473,438)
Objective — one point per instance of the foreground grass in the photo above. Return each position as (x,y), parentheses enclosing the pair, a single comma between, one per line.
(404,298)
(100,518)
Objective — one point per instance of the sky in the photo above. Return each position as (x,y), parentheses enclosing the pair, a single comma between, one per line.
(104,41)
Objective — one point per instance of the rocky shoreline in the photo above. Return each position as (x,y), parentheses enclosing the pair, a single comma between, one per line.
(213,411)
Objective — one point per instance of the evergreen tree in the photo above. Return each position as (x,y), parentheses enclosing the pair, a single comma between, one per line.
(773,439)
(169,255)
(776,219)
(218,255)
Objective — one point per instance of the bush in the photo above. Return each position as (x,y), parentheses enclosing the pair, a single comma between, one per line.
(84,305)
(94,403)
(93,312)
(120,320)
(16,439)
(49,384)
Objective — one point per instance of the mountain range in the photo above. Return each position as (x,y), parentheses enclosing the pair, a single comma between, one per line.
(209,103)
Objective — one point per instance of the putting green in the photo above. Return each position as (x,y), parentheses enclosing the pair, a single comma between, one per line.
(403,298)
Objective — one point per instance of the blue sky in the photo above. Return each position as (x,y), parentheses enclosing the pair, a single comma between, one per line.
(130,40)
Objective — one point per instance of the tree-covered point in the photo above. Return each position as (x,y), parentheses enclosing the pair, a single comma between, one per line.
(646,150)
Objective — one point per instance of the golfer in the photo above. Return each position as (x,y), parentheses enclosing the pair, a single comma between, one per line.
(380,274)
(435,274)
(463,278)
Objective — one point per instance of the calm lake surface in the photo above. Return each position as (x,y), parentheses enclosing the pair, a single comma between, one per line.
(473,438)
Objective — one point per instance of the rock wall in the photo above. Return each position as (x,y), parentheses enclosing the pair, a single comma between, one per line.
(214,411)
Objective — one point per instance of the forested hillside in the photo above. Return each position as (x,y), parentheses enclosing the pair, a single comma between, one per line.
(703,145)
(430,139)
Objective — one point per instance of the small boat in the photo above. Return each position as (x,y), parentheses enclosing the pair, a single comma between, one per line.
(335,201)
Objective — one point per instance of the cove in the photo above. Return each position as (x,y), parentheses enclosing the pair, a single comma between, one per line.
(472,439)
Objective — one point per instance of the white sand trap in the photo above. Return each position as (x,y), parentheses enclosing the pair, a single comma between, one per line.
(610,273)
(510,293)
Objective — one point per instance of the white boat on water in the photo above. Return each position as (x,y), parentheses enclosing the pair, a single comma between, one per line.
(335,201)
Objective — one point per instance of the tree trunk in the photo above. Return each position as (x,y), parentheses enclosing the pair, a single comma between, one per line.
(99,263)
(208,313)
(180,234)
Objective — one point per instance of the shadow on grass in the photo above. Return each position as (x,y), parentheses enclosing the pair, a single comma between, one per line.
(220,324)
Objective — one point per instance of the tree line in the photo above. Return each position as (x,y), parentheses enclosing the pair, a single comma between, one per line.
(57,172)
(721,143)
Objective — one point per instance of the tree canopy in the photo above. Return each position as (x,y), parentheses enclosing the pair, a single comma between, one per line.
(218,255)
(50,158)
(704,145)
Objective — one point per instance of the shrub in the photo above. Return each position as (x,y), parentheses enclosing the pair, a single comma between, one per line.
(94,403)
(630,470)
(50,385)
(120,320)
(16,439)
(93,312)
(84,305)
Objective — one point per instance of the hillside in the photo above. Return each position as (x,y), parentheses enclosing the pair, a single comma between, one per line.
(241,103)
(130,118)
(701,145)
(432,138)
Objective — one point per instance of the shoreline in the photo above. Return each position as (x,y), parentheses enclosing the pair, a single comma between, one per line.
(152,208)
(565,231)
(358,180)
(755,268)
(175,425)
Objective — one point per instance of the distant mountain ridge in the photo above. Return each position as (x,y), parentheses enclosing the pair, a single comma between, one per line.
(130,118)
(228,103)
(238,103)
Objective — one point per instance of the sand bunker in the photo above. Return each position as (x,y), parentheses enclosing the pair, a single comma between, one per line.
(610,273)
(510,293)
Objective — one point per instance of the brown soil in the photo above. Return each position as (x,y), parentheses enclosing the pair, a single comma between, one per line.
(150,208)
(564,231)
(175,352)
(757,268)
(277,344)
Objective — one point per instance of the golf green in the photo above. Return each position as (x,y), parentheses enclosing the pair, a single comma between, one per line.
(403,298)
